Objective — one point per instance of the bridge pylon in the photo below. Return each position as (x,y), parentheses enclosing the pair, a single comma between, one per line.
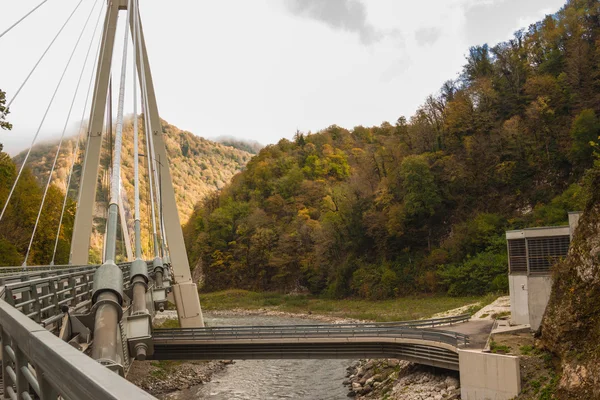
(185,291)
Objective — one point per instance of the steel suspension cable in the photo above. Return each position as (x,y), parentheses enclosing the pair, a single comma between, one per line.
(38,131)
(22,19)
(136,150)
(64,131)
(156,195)
(39,61)
(149,156)
(150,179)
(111,229)
(79,135)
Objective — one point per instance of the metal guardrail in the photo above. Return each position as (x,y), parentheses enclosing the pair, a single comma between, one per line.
(216,334)
(38,365)
(432,322)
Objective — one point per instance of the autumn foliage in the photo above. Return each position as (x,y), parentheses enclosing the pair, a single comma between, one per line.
(421,205)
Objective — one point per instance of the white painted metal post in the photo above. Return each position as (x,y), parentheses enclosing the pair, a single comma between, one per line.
(82,230)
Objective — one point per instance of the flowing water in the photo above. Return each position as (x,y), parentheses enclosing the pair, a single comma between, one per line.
(273,379)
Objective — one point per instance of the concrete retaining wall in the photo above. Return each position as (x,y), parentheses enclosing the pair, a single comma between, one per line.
(539,288)
(487,376)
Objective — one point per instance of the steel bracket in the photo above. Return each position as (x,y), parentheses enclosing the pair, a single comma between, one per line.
(139,333)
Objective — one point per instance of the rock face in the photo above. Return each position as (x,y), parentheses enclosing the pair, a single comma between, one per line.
(571,325)
(394,379)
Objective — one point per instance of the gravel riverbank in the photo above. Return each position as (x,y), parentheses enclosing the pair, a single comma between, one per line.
(163,377)
(394,379)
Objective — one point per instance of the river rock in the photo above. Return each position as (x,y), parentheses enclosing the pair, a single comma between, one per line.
(452,381)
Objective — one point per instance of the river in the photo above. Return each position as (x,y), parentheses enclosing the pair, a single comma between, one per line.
(272,379)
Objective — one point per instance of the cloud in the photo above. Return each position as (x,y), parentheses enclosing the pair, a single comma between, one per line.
(427,36)
(495,21)
(346,15)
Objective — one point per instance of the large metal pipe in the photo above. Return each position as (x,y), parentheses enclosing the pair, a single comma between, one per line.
(139,295)
(106,328)
(158,278)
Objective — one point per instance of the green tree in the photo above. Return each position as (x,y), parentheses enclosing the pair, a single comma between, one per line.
(584,132)
(3,112)
(421,196)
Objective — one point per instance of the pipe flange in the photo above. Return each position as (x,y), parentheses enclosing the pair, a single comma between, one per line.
(108,277)
(157,265)
(139,268)
(99,303)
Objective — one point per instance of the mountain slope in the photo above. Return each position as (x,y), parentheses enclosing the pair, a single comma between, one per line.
(198,166)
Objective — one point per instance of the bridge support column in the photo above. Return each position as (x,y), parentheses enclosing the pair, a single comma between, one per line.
(82,230)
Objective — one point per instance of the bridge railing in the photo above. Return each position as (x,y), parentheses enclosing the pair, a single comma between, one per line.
(38,269)
(41,299)
(198,335)
(40,296)
(15,277)
(37,364)
(432,322)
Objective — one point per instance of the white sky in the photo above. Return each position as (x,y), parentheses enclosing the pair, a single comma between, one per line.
(260,69)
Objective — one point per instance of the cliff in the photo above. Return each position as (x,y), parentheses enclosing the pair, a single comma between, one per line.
(571,326)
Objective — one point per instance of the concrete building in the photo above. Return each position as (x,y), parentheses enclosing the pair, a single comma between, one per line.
(531,255)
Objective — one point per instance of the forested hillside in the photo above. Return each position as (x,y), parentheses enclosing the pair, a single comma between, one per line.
(19,219)
(420,205)
(198,167)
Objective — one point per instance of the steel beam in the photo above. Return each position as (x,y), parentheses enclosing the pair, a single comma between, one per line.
(185,290)
(82,230)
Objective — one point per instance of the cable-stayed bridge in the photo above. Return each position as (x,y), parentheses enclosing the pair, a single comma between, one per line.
(72,331)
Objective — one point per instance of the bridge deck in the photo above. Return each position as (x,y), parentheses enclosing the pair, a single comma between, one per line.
(425,346)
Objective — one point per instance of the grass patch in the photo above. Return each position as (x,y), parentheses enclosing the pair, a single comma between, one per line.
(484,315)
(163,369)
(501,315)
(400,309)
(526,350)
(499,348)
(168,324)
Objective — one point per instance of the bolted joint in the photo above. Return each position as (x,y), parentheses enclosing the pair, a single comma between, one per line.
(108,278)
(139,268)
(141,351)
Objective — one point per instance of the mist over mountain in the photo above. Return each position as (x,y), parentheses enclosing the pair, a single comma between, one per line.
(198,168)
(250,146)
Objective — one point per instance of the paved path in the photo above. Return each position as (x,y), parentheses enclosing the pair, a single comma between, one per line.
(478,332)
